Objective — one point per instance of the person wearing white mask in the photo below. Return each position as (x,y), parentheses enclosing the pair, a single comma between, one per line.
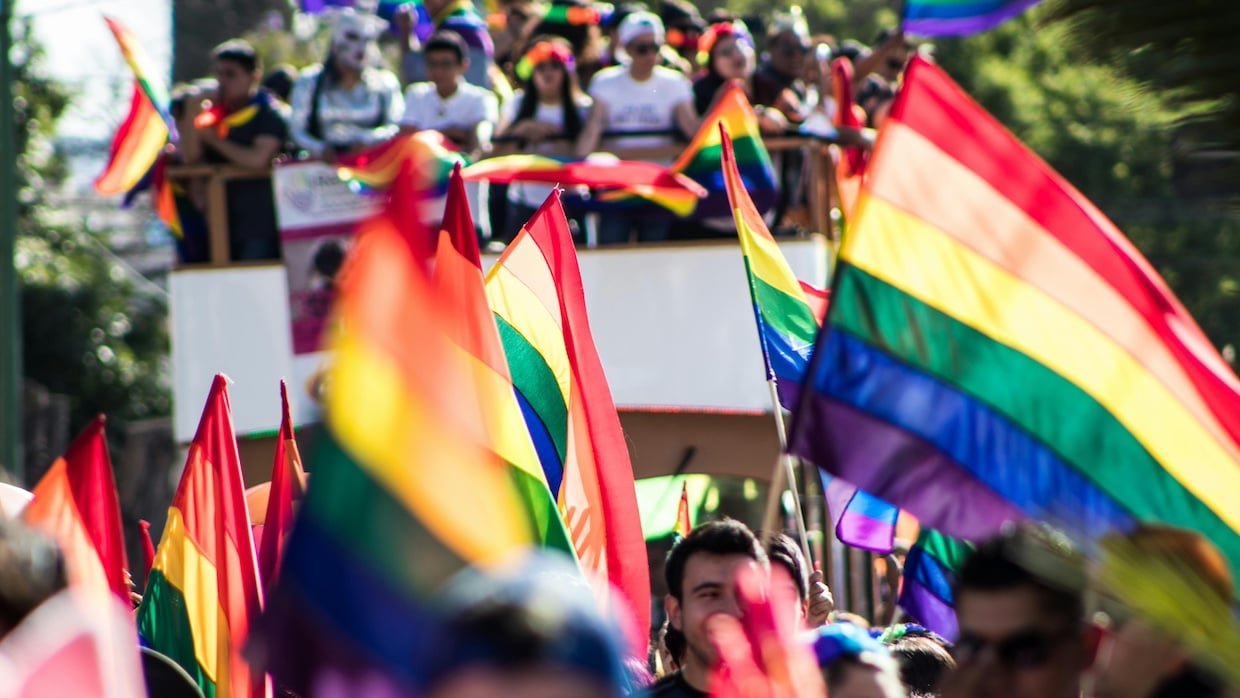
(638,96)
(347,104)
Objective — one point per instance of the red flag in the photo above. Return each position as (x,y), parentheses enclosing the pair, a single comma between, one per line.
(76,503)
(148,546)
(287,487)
(683,524)
(202,594)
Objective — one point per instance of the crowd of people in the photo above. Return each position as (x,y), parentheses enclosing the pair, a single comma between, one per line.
(1033,623)
(568,78)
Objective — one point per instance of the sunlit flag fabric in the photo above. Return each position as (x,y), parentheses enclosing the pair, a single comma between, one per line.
(957,17)
(536,292)
(930,571)
(141,137)
(286,489)
(996,349)
(458,278)
(404,491)
(203,593)
(787,324)
(76,503)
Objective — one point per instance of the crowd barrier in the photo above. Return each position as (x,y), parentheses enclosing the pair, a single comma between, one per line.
(822,193)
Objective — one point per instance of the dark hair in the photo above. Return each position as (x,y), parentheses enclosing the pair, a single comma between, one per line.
(328,258)
(570,96)
(782,550)
(279,82)
(621,11)
(924,660)
(727,537)
(237,51)
(32,570)
(446,40)
(1029,556)
(674,641)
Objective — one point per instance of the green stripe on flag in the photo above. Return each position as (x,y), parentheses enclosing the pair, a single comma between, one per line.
(163,622)
(535,380)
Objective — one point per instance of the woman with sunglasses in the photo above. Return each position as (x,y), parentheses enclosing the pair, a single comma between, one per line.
(546,112)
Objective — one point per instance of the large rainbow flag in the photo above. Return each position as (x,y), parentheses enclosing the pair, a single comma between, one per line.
(996,349)
(202,592)
(535,290)
(404,492)
(75,502)
(141,137)
(958,17)
(787,326)
(458,278)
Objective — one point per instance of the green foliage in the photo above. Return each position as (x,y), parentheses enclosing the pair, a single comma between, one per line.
(200,25)
(89,330)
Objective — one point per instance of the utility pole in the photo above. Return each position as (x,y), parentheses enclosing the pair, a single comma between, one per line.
(11,457)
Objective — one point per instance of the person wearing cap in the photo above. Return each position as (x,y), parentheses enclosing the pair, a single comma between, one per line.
(854,664)
(346,104)
(641,96)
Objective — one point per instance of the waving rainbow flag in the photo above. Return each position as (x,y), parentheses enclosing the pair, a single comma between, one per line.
(374,169)
(141,137)
(996,349)
(930,570)
(405,491)
(536,292)
(957,17)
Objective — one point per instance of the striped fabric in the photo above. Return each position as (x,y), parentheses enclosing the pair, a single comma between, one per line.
(958,17)
(998,350)
(203,592)
(141,137)
(930,571)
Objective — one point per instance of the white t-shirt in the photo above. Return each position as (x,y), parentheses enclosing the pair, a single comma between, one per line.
(533,194)
(640,106)
(467,107)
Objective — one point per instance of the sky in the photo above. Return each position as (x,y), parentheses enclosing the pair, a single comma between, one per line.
(81,53)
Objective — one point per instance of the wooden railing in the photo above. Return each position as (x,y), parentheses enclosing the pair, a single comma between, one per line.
(822,190)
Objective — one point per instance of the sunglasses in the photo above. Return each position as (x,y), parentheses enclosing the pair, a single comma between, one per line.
(643,49)
(1026,650)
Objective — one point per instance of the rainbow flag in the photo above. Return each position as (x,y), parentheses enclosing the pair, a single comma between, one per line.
(376,168)
(287,488)
(996,349)
(203,592)
(958,17)
(684,524)
(930,571)
(787,324)
(75,502)
(141,137)
(405,491)
(458,278)
(536,292)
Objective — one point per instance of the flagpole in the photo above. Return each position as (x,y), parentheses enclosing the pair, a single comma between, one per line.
(11,457)
(784,474)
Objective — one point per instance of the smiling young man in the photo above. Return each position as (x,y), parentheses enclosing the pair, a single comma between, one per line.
(1020,606)
(701,574)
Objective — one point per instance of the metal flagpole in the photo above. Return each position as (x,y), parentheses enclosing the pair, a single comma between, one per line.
(784,473)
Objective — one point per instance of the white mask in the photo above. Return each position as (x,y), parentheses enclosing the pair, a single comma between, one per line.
(353,38)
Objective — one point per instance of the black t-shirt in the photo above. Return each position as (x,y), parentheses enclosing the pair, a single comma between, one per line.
(672,686)
(251,207)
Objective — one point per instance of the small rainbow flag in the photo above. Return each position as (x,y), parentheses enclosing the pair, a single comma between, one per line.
(287,487)
(404,492)
(684,524)
(141,137)
(374,169)
(997,350)
(76,503)
(929,580)
(861,519)
(536,292)
(203,591)
(957,18)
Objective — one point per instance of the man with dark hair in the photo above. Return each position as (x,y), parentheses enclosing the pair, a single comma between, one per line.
(32,570)
(1019,603)
(464,113)
(701,574)
(241,127)
(924,658)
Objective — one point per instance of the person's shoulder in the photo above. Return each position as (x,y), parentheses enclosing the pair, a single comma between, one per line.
(381,78)
(671,75)
(419,89)
(308,76)
(608,75)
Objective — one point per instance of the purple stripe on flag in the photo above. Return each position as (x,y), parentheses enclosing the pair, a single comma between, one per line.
(861,520)
(963,26)
(929,610)
(898,466)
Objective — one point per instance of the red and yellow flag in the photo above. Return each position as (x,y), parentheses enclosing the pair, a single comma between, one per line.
(203,593)
(683,523)
(76,503)
(287,488)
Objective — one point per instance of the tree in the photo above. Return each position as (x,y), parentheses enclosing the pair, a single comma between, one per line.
(92,329)
(200,25)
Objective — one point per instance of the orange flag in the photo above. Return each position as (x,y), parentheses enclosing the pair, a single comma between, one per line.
(287,487)
(202,594)
(76,503)
(683,523)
